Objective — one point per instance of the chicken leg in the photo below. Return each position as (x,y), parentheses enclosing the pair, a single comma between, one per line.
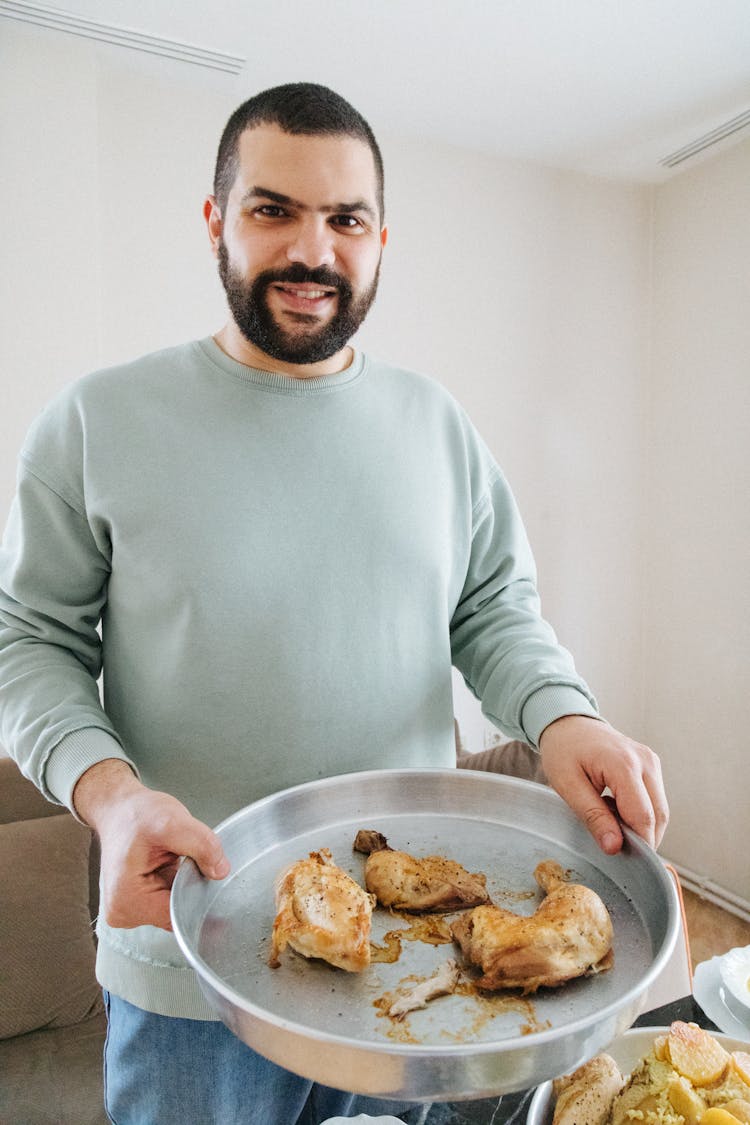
(569,935)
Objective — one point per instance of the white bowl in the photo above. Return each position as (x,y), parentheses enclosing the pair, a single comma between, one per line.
(734,968)
(628,1050)
(361,1118)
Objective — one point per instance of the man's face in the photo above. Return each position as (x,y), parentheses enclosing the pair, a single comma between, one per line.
(299,244)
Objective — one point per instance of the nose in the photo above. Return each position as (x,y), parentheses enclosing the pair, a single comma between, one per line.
(312,243)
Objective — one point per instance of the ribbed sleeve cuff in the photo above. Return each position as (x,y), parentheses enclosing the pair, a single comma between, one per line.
(553,702)
(73,755)
(167,990)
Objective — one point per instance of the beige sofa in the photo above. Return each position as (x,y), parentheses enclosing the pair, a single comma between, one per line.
(52,1023)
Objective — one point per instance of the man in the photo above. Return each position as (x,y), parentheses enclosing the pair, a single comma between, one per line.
(287,545)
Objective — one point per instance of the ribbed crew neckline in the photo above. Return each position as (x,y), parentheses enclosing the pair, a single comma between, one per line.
(283,384)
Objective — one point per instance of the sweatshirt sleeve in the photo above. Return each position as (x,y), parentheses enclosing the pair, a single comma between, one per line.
(53,588)
(507,653)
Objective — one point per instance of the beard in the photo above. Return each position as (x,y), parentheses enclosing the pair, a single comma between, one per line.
(311,342)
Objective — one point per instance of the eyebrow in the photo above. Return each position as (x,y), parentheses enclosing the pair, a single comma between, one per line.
(258,192)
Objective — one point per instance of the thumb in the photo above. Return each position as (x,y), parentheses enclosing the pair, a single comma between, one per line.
(204,847)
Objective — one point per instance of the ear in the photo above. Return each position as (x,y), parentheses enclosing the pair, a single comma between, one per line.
(214,222)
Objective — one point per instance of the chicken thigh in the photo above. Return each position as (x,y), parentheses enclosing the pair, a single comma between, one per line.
(322,912)
(569,935)
(429,885)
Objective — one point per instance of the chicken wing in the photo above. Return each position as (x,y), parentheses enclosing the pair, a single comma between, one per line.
(322,912)
(432,884)
(570,935)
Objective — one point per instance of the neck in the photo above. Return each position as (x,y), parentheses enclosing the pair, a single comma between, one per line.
(236,346)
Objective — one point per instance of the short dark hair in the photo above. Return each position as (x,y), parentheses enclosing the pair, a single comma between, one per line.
(297,108)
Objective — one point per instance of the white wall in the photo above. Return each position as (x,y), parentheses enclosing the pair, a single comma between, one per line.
(526,291)
(107,156)
(697,604)
(49,323)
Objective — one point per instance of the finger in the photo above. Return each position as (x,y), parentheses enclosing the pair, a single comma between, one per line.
(603,826)
(636,809)
(642,805)
(654,783)
(209,855)
(594,811)
(143,906)
(191,837)
(156,909)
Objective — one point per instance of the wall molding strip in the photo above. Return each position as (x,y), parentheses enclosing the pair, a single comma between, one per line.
(720,133)
(67,22)
(706,888)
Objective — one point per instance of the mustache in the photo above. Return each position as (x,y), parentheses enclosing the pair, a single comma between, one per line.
(298,274)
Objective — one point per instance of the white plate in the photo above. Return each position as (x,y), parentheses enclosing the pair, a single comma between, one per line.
(711,994)
(734,969)
(629,1049)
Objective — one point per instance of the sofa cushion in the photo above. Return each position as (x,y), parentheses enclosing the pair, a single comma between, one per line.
(47,951)
(19,798)
(54,1076)
(515,759)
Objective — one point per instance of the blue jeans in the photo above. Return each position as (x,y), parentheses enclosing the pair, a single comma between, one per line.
(160,1070)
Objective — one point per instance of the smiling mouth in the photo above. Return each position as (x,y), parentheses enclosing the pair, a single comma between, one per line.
(310,294)
(304,300)
(305,293)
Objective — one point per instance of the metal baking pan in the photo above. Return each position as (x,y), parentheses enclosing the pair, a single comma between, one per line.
(326,1025)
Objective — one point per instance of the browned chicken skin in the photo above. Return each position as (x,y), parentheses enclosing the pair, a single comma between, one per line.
(322,913)
(428,885)
(569,935)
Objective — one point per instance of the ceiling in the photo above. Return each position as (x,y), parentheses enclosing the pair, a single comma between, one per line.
(607,87)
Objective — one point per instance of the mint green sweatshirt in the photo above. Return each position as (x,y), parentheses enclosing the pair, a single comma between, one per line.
(283,570)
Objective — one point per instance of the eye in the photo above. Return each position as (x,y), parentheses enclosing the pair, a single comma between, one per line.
(348,222)
(270,211)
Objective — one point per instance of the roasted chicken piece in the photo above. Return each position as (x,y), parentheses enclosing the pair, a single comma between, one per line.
(428,885)
(322,912)
(585,1097)
(570,935)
